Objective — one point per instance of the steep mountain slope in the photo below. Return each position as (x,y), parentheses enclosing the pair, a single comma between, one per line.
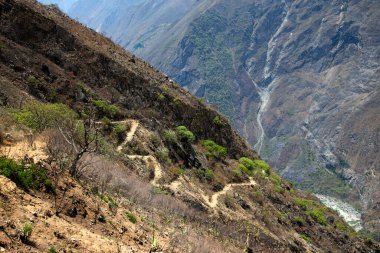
(298,79)
(90,135)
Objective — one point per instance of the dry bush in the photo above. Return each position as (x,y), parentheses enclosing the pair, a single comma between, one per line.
(113,178)
(194,242)
(58,149)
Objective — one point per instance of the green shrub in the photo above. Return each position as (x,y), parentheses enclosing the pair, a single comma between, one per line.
(237,172)
(275,179)
(155,139)
(39,116)
(262,166)
(162,155)
(108,200)
(102,219)
(304,203)
(131,217)
(298,220)
(25,177)
(32,79)
(306,238)
(170,136)
(318,214)
(209,174)
(205,173)
(185,134)
(26,231)
(105,108)
(214,150)
(250,166)
(278,188)
(347,229)
(217,121)
(247,165)
(52,249)
(178,171)
(119,131)
(161,97)
(176,102)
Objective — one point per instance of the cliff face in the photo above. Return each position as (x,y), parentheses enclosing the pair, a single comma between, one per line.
(298,79)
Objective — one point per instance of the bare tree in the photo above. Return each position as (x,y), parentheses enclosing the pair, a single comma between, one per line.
(83,136)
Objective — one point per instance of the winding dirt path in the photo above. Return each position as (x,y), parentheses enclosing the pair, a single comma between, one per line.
(152,162)
(130,134)
(213,200)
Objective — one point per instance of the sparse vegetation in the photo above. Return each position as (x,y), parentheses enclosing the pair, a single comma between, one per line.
(108,200)
(161,97)
(155,139)
(316,212)
(217,121)
(185,134)
(304,203)
(214,150)
(275,179)
(52,249)
(170,136)
(162,155)
(26,231)
(208,174)
(177,171)
(298,220)
(131,217)
(119,131)
(306,238)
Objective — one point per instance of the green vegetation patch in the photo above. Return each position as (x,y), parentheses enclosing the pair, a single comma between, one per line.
(26,177)
(318,214)
(298,220)
(275,179)
(131,217)
(105,108)
(315,211)
(304,203)
(40,116)
(185,134)
(214,150)
(217,121)
(249,166)
(108,200)
(26,231)
(306,238)
(207,174)
(170,136)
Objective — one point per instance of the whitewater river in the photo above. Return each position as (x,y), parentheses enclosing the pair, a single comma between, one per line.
(345,210)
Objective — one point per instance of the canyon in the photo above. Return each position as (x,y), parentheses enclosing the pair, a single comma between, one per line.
(297,79)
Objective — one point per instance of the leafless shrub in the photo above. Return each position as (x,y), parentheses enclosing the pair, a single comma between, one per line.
(111,177)
(194,242)
(59,151)
(83,137)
